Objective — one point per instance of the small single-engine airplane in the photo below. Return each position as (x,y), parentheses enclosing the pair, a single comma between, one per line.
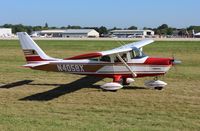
(122,64)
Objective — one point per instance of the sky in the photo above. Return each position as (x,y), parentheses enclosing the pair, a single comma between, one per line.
(109,13)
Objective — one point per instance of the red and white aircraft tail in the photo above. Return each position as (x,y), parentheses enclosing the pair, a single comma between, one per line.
(33,53)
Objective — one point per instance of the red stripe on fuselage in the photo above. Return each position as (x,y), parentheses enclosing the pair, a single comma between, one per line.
(34,58)
(84,56)
(158,61)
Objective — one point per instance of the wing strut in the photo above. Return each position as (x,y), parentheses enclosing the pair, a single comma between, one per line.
(127,66)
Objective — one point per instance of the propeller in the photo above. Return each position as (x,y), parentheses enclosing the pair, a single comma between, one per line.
(175,62)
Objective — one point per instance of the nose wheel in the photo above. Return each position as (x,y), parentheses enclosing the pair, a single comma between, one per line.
(155,84)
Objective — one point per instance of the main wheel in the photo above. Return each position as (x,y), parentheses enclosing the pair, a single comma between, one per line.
(123,82)
(158,88)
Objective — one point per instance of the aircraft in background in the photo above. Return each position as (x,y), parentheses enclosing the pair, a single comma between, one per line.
(122,64)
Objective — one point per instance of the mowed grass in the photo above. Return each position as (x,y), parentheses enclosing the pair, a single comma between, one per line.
(56,101)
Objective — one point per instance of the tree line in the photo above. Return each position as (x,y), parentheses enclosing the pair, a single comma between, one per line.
(163,29)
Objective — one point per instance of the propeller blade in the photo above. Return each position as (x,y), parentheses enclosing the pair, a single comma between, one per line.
(175,62)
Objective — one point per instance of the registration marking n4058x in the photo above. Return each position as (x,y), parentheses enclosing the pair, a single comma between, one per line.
(70,68)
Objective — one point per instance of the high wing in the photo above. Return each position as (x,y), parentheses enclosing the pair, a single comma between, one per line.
(128,47)
(138,44)
(121,49)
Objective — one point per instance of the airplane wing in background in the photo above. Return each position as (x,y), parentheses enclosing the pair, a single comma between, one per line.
(121,49)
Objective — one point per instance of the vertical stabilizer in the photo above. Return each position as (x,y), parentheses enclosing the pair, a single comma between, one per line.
(32,52)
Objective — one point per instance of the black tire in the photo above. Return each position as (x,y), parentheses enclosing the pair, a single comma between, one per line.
(104,90)
(123,82)
(158,88)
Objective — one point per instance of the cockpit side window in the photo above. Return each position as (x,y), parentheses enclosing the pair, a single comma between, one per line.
(94,59)
(124,57)
(136,53)
(105,58)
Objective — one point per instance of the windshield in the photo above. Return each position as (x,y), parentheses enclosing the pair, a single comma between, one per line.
(136,53)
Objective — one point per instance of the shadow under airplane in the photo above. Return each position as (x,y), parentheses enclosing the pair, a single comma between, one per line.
(62,89)
(133,88)
(15,84)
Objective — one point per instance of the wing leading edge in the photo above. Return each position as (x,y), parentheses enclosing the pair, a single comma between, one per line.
(138,44)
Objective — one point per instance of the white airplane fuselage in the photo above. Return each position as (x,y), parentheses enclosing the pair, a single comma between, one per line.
(108,69)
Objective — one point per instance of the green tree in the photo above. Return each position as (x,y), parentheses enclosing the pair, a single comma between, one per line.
(73,27)
(146,28)
(37,28)
(163,26)
(116,28)
(29,29)
(181,32)
(103,30)
(53,27)
(133,28)
(169,31)
(164,30)
(20,28)
(63,27)
(195,28)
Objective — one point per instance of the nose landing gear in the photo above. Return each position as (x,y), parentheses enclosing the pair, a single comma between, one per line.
(155,84)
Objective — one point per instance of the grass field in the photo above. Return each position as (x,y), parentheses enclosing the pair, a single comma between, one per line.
(56,101)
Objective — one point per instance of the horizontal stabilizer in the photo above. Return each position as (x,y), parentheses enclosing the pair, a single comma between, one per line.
(31,65)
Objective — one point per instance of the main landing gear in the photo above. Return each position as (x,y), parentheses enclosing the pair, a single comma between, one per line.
(118,81)
(117,84)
